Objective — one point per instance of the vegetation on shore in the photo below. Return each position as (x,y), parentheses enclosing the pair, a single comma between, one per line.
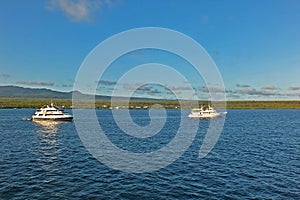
(144,104)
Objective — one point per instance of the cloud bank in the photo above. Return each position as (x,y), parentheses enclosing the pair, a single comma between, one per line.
(242,86)
(78,10)
(269,87)
(247,91)
(35,83)
(240,92)
(294,88)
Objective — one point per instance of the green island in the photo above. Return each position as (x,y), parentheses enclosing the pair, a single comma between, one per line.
(146,104)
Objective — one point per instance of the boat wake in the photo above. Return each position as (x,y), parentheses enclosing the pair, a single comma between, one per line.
(27,118)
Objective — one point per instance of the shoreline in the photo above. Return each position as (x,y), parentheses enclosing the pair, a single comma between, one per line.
(18,103)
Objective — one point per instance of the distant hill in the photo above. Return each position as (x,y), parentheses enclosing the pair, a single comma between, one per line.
(12,91)
(16,91)
(21,92)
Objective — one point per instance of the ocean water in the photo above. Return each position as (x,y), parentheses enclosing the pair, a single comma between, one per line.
(256,157)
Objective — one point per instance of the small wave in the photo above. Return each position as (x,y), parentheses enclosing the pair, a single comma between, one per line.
(26,119)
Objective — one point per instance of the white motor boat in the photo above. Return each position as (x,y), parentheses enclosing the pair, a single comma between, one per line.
(205,112)
(51,113)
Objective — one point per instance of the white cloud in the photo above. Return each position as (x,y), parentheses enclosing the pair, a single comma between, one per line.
(293,94)
(294,88)
(242,86)
(106,83)
(247,91)
(35,83)
(78,10)
(66,85)
(212,89)
(270,87)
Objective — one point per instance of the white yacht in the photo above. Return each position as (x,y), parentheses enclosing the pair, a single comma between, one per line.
(205,112)
(51,113)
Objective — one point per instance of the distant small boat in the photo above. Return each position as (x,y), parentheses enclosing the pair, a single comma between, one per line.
(51,113)
(205,112)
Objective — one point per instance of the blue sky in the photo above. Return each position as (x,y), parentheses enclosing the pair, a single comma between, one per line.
(255,44)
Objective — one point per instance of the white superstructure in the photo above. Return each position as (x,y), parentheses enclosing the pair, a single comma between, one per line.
(205,112)
(51,113)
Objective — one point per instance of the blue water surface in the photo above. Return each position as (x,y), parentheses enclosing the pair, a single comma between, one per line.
(256,157)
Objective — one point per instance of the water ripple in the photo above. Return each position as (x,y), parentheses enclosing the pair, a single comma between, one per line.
(256,157)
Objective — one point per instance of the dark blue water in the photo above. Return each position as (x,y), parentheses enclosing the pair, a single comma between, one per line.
(257,157)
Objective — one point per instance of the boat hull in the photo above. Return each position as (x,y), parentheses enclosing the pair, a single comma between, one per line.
(45,118)
(207,116)
(204,116)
